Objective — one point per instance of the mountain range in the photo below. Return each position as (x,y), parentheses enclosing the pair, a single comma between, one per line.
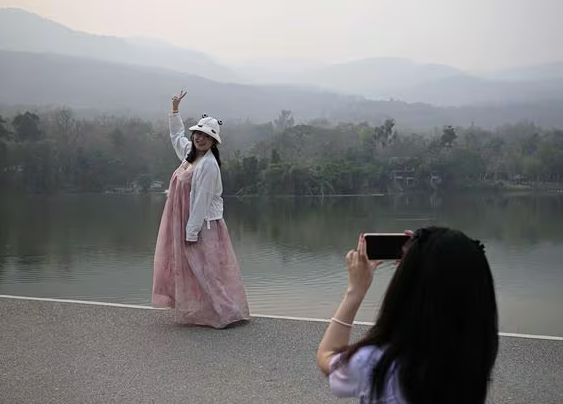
(45,63)
(407,80)
(23,31)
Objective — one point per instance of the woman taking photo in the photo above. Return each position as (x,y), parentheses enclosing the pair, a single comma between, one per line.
(196,272)
(435,339)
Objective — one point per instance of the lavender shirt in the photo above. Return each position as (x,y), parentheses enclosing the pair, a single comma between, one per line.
(354,379)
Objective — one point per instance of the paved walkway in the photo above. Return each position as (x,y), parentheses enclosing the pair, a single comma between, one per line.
(56,352)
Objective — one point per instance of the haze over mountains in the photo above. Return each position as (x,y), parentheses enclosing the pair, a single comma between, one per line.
(406,80)
(45,63)
(27,32)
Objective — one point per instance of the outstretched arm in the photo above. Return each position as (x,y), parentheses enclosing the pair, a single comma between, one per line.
(181,144)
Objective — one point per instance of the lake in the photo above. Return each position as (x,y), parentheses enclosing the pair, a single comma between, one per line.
(291,250)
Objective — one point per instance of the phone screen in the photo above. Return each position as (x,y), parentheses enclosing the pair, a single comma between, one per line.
(385,246)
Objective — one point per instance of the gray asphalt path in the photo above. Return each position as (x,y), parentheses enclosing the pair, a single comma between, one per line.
(56,352)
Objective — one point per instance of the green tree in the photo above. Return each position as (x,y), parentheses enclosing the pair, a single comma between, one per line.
(448,136)
(27,127)
(385,134)
(5,134)
(284,121)
(379,137)
(55,151)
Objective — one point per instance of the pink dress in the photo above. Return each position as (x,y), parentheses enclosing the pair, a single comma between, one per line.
(201,282)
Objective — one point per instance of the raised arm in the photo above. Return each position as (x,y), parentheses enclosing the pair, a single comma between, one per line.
(337,334)
(180,142)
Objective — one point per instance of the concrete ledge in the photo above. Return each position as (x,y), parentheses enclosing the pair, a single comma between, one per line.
(59,352)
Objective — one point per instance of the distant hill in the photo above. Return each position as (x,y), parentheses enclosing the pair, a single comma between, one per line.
(468,90)
(27,32)
(32,79)
(376,78)
(406,80)
(50,80)
(546,71)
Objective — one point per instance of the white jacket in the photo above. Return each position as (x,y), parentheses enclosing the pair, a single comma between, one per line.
(206,203)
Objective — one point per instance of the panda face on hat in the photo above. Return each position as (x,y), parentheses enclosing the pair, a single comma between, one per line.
(210,126)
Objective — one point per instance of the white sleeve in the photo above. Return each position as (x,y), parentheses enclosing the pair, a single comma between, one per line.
(352,379)
(205,185)
(180,142)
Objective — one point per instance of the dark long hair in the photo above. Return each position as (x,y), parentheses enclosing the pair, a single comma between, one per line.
(193,152)
(438,322)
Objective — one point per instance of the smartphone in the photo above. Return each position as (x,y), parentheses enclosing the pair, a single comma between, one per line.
(385,246)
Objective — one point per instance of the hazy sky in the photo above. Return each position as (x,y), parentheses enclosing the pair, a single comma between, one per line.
(470,34)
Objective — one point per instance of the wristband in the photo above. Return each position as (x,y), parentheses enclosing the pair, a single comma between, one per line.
(341,322)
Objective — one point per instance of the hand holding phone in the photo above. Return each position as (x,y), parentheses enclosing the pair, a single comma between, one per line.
(385,246)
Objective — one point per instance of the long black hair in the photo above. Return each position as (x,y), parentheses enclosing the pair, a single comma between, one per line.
(193,151)
(438,322)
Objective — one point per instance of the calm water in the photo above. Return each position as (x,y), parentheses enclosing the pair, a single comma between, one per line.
(291,251)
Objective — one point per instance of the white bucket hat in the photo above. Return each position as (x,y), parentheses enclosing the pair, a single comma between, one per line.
(210,126)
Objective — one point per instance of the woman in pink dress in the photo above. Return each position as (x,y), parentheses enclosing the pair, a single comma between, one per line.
(196,272)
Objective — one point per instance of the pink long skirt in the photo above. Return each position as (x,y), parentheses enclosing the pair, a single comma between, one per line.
(201,282)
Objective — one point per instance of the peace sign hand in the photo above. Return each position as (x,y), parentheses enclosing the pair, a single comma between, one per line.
(176,100)
(360,269)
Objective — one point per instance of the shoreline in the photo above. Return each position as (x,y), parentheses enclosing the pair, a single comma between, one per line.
(255,315)
(470,190)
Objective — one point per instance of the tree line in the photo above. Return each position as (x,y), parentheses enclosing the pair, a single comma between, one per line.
(57,152)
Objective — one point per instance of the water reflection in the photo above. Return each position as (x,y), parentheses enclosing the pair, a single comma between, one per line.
(291,249)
